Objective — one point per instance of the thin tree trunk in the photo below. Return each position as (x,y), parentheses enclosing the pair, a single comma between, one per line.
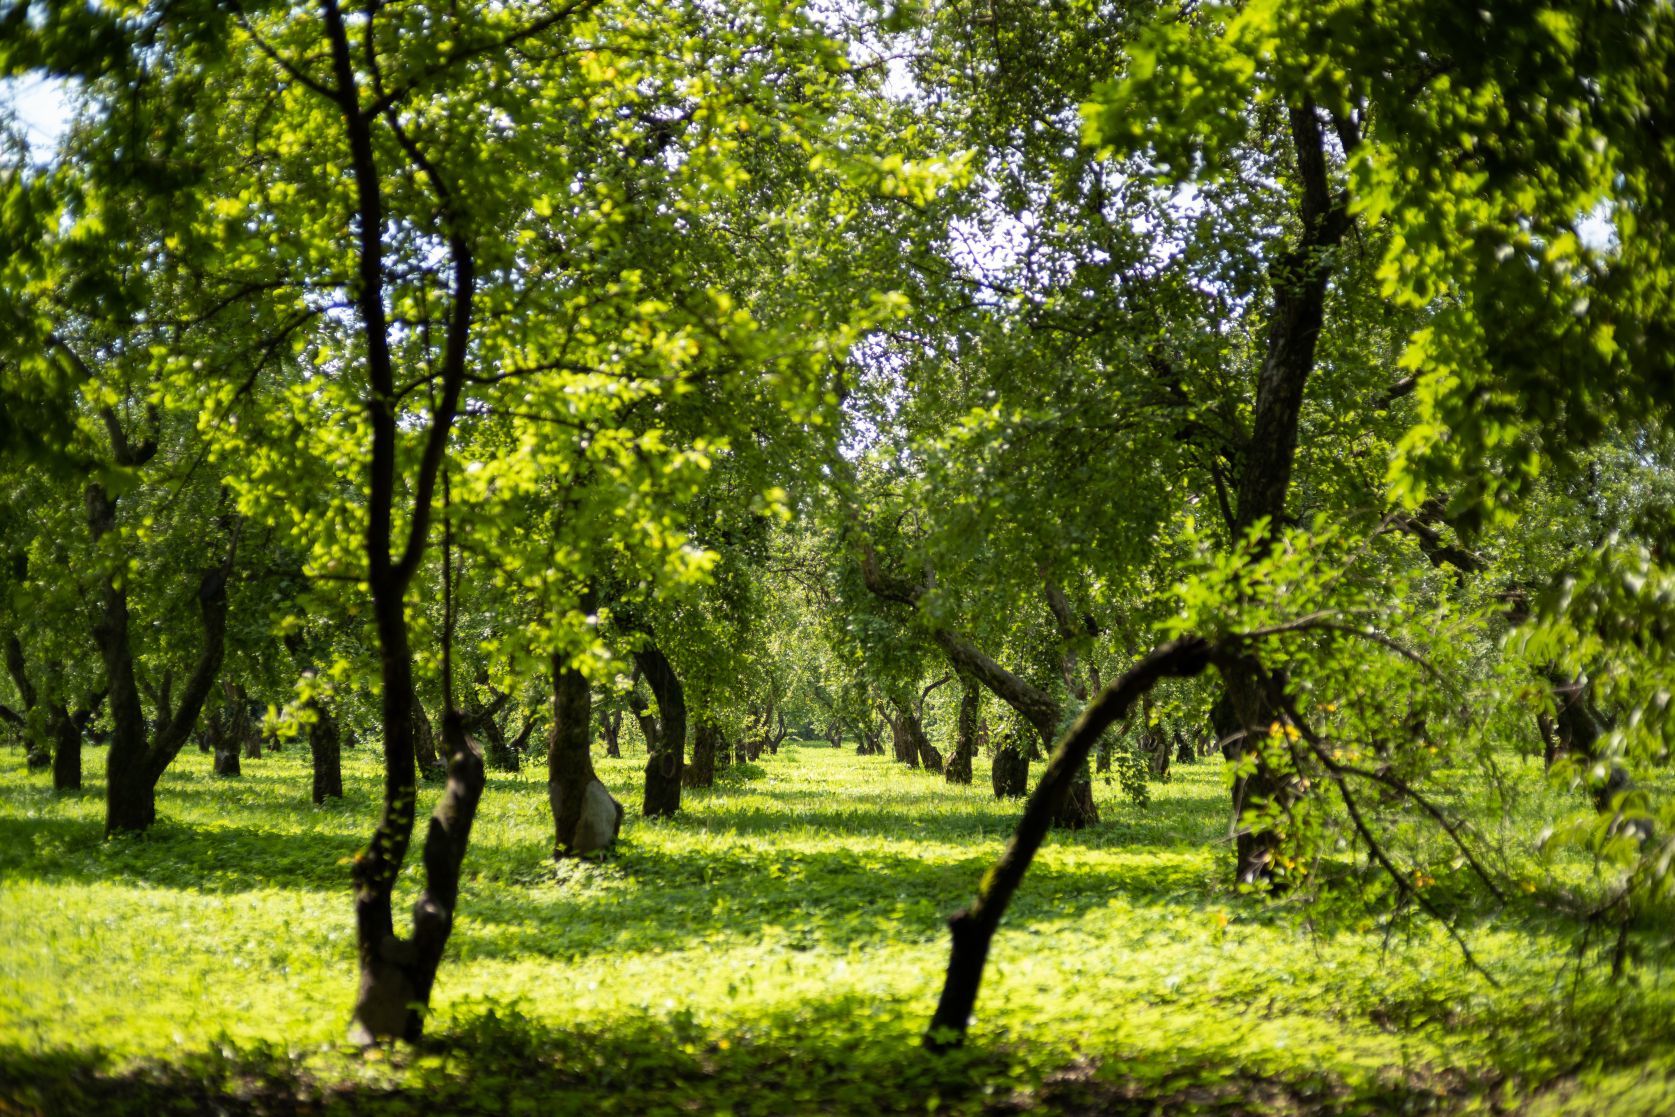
(973,929)
(610,722)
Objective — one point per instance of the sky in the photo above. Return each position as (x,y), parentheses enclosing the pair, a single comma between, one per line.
(40,105)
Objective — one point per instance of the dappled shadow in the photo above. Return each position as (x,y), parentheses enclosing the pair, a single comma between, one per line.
(647,899)
(839,1055)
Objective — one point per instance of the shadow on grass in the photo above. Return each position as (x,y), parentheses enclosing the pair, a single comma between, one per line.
(844,1055)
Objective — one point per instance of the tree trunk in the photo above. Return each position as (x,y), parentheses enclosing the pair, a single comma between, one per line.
(249,726)
(610,722)
(973,929)
(134,764)
(66,750)
(1010,774)
(666,755)
(929,756)
(585,816)
(325,747)
(228,731)
(1300,278)
(906,749)
(1256,848)
(705,740)
(965,741)
(225,740)
(1077,809)
(424,742)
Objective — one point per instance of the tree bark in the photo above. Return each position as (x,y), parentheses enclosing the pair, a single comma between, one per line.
(397,974)
(135,762)
(666,755)
(965,741)
(1299,279)
(66,750)
(610,722)
(973,929)
(424,742)
(325,748)
(1009,774)
(705,741)
(585,816)
(226,737)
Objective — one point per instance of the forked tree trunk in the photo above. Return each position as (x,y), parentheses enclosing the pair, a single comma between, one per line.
(325,748)
(585,816)
(902,744)
(927,755)
(134,764)
(666,755)
(973,929)
(705,741)
(397,974)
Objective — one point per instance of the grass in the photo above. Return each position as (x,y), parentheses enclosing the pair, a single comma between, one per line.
(775,949)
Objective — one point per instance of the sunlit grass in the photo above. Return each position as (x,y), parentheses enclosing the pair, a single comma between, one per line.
(776,948)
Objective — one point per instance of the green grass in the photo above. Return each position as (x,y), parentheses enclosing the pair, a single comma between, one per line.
(775,949)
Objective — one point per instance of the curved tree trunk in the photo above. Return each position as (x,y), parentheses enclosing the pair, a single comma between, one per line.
(586,818)
(666,755)
(973,928)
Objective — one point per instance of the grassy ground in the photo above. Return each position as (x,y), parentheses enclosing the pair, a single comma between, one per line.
(776,949)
